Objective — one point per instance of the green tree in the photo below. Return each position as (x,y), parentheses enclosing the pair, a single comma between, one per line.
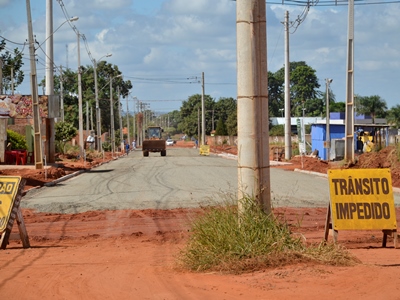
(393,116)
(303,85)
(65,131)
(231,124)
(12,63)
(337,107)
(276,101)
(70,92)
(190,112)
(221,128)
(223,108)
(374,106)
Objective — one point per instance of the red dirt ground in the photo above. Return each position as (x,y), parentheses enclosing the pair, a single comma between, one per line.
(131,254)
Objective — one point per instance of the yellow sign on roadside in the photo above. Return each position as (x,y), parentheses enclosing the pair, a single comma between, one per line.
(205,150)
(8,190)
(362,199)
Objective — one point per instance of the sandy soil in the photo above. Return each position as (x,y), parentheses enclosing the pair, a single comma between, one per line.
(132,254)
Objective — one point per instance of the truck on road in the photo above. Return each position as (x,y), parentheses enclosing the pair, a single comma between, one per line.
(154,142)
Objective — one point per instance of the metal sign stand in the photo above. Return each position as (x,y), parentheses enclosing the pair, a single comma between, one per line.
(16,214)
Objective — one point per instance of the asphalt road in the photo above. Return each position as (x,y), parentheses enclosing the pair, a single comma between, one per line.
(182,179)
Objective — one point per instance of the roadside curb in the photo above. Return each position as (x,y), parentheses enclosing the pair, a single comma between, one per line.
(58,180)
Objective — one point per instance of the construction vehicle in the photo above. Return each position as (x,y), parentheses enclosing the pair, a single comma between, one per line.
(154,141)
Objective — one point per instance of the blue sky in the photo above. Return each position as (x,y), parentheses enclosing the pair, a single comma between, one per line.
(163,46)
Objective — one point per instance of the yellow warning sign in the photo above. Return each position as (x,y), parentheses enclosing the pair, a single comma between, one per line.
(362,199)
(8,190)
(205,150)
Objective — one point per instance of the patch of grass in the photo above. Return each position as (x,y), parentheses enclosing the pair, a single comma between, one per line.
(223,240)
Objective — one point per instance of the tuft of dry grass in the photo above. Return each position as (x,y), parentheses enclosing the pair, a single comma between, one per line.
(226,240)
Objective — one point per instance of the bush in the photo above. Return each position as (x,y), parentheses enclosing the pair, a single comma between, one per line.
(277,130)
(72,151)
(16,140)
(106,146)
(224,240)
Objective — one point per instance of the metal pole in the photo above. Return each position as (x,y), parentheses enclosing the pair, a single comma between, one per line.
(80,116)
(112,119)
(34,90)
(288,122)
(253,134)
(203,112)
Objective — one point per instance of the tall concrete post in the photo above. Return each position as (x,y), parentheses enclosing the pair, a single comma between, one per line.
(80,114)
(349,118)
(288,121)
(50,134)
(34,92)
(203,112)
(253,121)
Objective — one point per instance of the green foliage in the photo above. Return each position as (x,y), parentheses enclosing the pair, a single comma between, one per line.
(303,87)
(374,106)
(231,123)
(17,141)
(65,131)
(394,116)
(72,151)
(11,60)
(277,130)
(221,128)
(229,240)
(106,146)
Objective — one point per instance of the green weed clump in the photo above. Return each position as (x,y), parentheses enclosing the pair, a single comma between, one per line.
(222,239)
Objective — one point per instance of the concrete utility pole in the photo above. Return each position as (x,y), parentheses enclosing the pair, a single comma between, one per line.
(127,121)
(112,119)
(328,127)
(349,126)
(253,121)
(34,91)
(1,76)
(288,121)
(50,149)
(80,115)
(203,112)
(61,94)
(121,134)
(12,81)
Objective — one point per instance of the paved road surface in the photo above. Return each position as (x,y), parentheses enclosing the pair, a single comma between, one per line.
(181,179)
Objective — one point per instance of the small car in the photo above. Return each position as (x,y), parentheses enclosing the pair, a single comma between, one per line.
(170,142)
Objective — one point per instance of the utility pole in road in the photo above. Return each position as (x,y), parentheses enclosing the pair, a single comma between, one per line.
(253,120)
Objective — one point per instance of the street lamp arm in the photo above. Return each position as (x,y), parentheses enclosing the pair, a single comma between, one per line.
(73,19)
